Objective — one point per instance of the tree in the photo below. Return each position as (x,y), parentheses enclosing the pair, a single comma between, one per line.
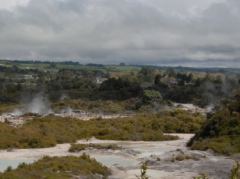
(146,74)
(119,89)
(157,79)
(151,96)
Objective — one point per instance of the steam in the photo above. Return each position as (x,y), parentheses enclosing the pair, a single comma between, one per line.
(39,105)
(226,85)
(63,97)
(68,111)
(17,112)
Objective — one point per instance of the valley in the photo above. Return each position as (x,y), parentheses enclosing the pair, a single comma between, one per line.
(178,123)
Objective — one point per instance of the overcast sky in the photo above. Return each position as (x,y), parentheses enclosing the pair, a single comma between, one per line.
(160,32)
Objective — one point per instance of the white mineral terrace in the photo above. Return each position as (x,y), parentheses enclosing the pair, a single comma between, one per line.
(17,120)
(125,162)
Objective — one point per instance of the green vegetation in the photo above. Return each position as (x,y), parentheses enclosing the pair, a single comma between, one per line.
(106,106)
(143,174)
(202,176)
(221,132)
(81,147)
(96,82)
(58,167)
(150,96)
(235,172)
(119,89)
(49,131)
(7,107)
(116,89)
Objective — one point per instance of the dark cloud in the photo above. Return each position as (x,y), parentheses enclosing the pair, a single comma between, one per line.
(136,32)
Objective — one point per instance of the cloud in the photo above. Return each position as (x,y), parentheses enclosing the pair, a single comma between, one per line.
(131,31)
(11,4)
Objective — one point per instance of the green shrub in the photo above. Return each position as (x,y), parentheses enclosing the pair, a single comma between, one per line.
(81,147)
(221,132)
(235,172)
(77,147)
(202,176)
(143,174)
(58,167)
(51,130)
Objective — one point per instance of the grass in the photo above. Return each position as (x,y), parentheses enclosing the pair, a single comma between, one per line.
(81,147)
(226,145)
(58,168)
(49,131)
(7,107)
(46,132)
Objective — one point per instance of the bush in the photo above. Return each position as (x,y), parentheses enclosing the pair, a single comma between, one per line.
(58,167)
(221,132)
(49,131)
(151,96)
(235,173)
(81,147)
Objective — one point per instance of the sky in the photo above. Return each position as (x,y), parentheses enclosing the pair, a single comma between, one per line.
(154,32)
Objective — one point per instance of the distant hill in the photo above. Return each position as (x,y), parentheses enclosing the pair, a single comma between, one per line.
(118,67)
